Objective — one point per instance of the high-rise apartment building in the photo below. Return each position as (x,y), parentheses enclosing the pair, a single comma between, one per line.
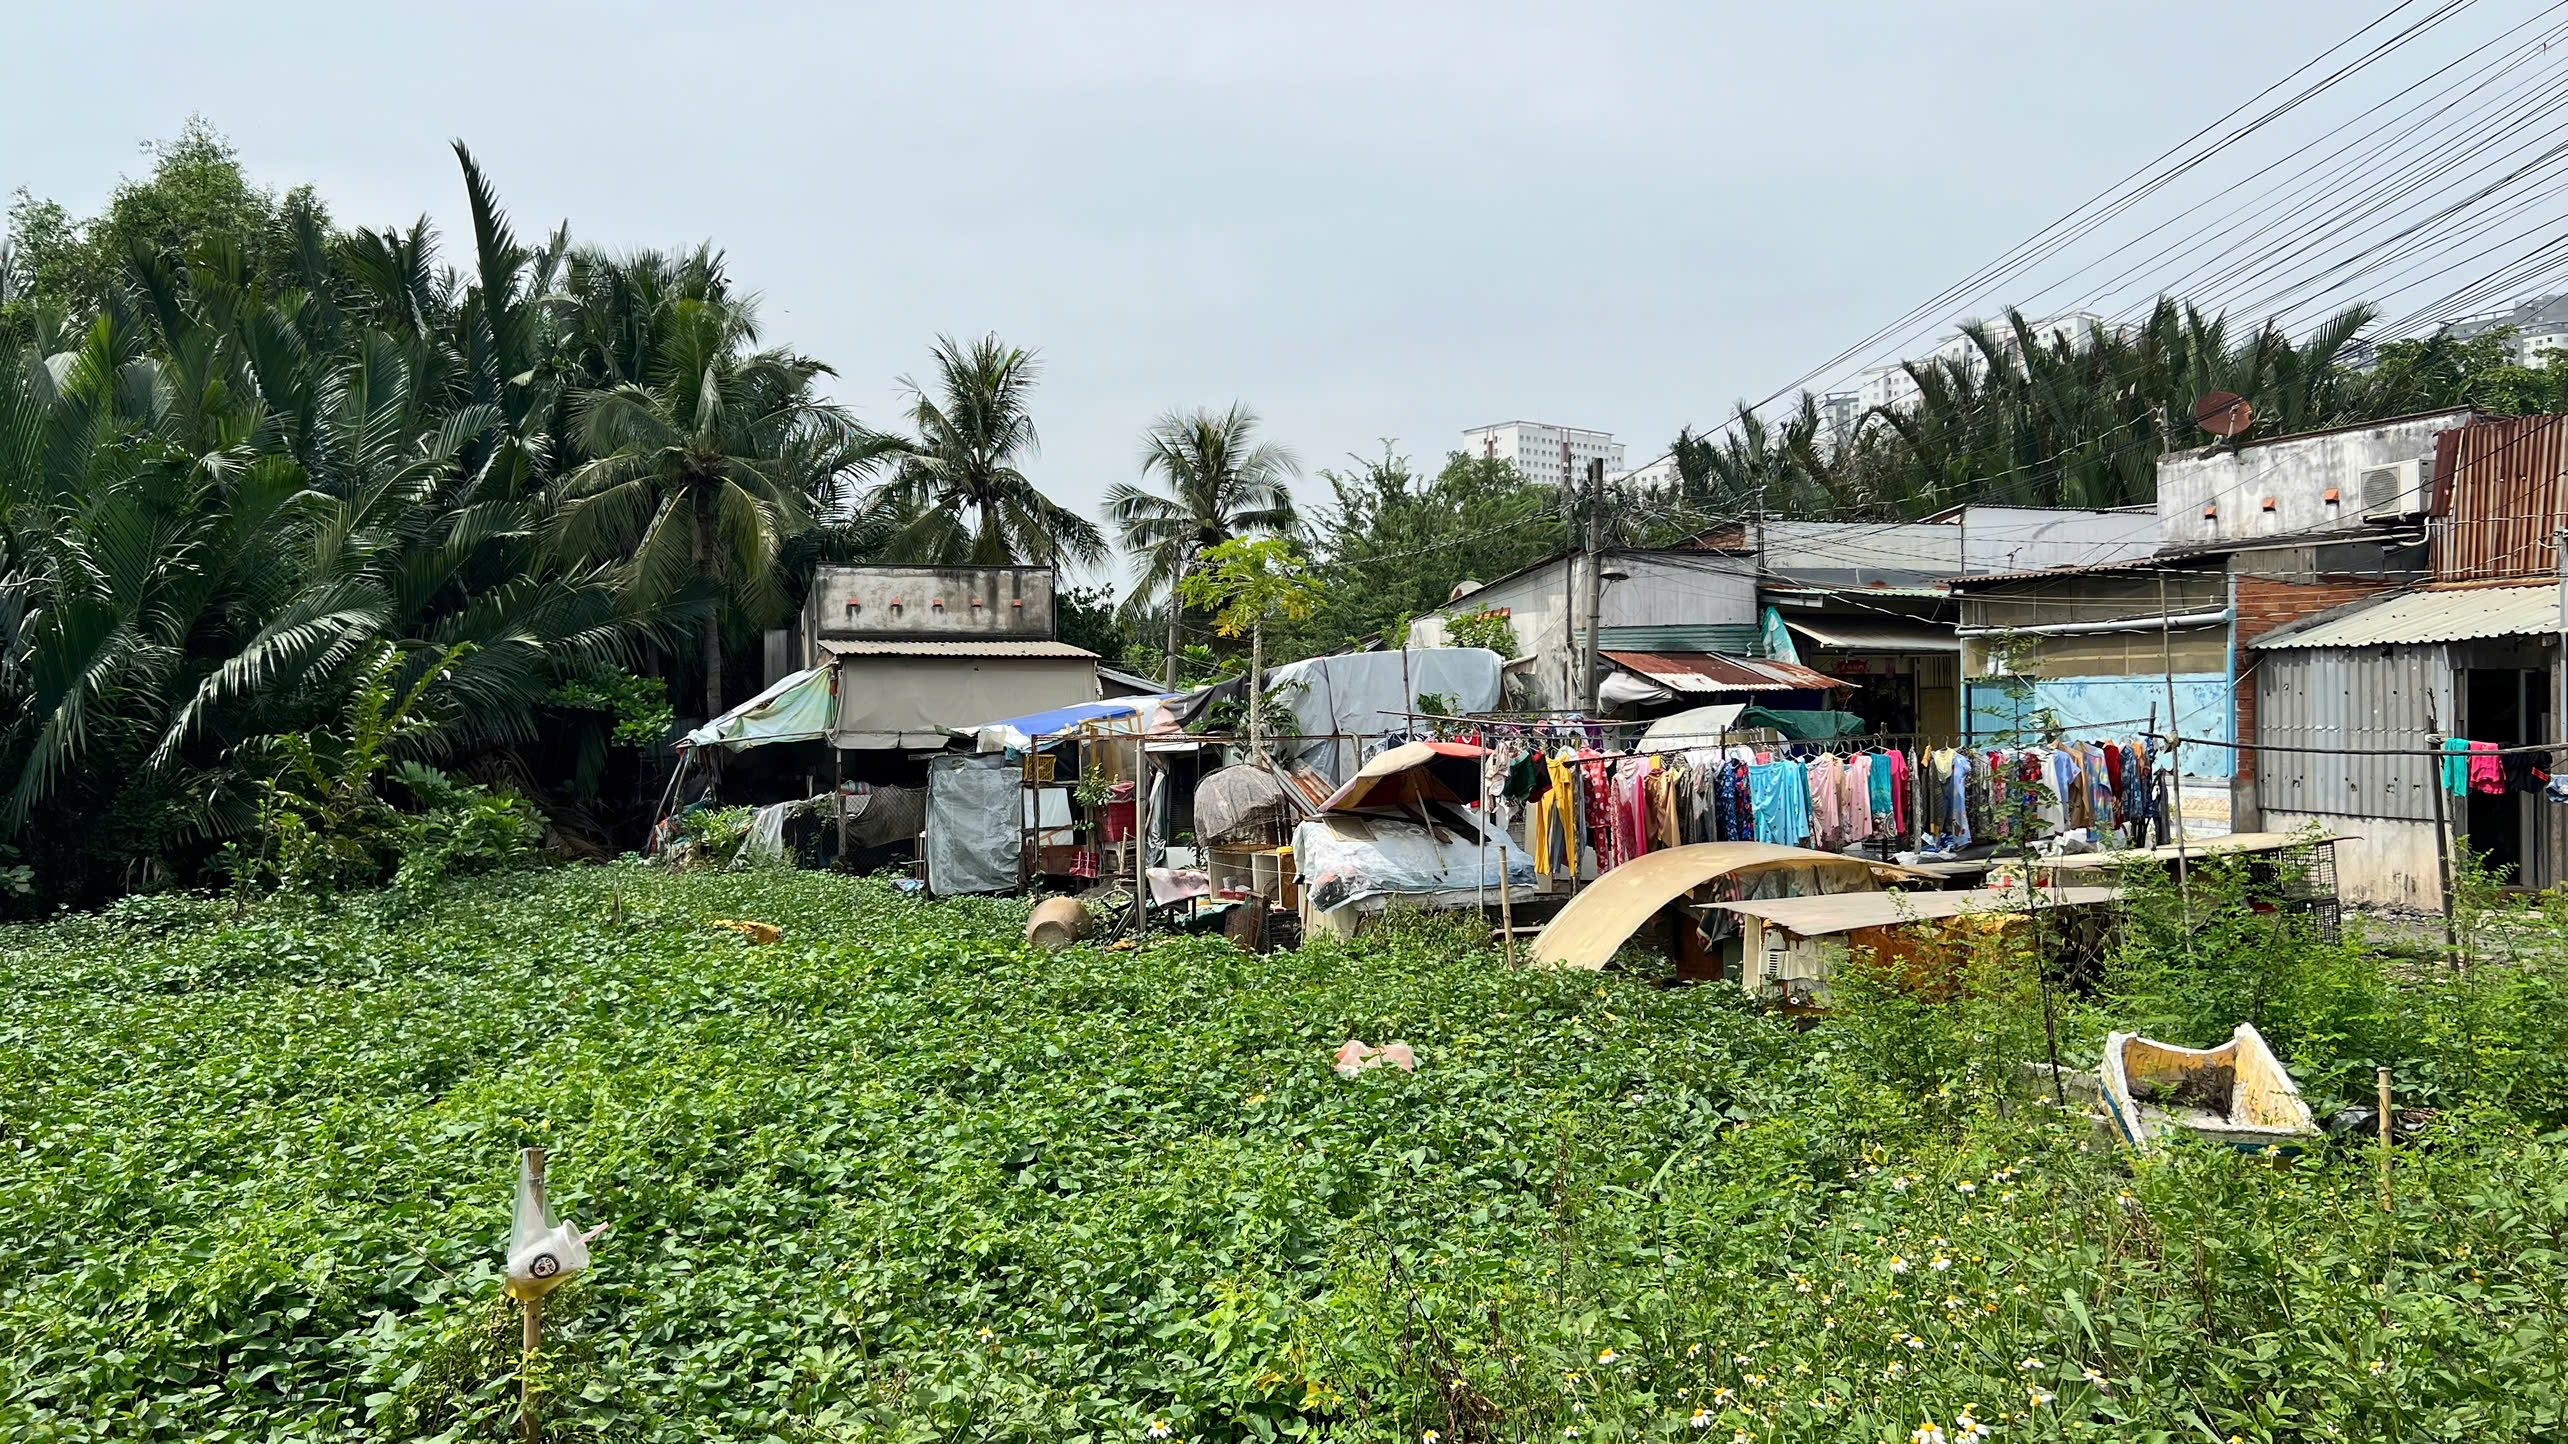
(1551,455)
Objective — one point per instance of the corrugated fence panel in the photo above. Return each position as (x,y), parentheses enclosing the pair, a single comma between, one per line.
(2500,504)
(2374,698)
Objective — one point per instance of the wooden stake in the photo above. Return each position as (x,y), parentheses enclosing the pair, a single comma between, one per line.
(533,1343)
(2442,833)
(2383,1079)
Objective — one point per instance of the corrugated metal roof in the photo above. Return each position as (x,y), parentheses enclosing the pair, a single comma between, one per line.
(2131,564)
(1849,635)
(1022,647)
(2410,618)
(1710,672)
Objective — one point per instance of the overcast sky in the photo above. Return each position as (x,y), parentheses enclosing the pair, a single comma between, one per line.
(1366,221)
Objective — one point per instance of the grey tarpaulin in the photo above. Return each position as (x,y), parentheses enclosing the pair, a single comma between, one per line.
(973,819)
(1370,693)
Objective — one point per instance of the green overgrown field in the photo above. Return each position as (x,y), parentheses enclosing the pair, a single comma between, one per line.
(897,1177)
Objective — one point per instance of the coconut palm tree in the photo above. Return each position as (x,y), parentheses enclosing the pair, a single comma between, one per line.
(958,492)
(701,473)
(1222,482)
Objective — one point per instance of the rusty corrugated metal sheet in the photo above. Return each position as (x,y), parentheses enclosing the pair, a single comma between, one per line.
(1713,672)
(2498,498)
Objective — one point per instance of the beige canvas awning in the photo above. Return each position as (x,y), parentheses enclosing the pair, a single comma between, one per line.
(1593,925)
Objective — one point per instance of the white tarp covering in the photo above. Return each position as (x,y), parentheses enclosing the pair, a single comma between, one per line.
(797,709)
(1347,857)
(1694,727)
(974,817)
(1371,693)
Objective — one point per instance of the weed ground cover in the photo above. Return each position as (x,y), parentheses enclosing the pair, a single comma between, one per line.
(896,1177)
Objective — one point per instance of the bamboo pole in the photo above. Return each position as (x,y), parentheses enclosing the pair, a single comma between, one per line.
(533,1343)
(2382,1078)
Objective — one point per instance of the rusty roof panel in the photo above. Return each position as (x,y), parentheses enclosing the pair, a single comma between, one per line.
(2498,500)
(1708,672)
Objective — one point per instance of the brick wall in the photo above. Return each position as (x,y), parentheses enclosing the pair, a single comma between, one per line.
(2264,605)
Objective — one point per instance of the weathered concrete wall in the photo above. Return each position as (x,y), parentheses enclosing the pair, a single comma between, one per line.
(2295,472)
(2392,866)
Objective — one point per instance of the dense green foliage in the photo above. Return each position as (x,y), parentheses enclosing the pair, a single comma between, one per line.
(242,450)
(2080,417)
(898,1177)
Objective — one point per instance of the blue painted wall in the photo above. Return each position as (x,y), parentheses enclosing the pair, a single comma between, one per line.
(2119,707)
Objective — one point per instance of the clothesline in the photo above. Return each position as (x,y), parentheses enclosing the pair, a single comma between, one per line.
(2363,751)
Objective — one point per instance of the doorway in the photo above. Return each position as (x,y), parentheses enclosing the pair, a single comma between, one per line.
(2508,706)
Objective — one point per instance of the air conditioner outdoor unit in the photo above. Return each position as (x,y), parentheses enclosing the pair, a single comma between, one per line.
(2393,493)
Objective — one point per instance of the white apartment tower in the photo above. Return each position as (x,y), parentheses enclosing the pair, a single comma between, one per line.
(1550,455)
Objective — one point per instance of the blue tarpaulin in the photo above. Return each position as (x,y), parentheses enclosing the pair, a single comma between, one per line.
(1019,733)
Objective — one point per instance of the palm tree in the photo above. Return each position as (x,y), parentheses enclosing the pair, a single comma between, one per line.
(1222,483)
(958,494)
(702,472)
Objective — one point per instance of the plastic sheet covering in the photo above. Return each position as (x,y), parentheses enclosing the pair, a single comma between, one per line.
(542,1255)
(1345,858)
(1371,693)
(973,817)
(797,709)
(766,839)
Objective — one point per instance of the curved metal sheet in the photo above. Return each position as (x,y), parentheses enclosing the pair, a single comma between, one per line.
(1586,932)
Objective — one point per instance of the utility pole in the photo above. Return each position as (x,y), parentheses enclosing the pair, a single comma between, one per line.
(1595,579)
(1176,613)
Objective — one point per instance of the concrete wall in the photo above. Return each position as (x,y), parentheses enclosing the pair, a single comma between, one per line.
(2296,472)
(2392,866)
(931,603)
(1663,589)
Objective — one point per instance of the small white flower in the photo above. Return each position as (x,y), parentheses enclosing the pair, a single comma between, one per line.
(2380,1367)
(1158,1429)
(1965,1186)
(1900,1184)
(1941,1264)
(2040,1397)
(1915,1342)
(1742,1436)
(1970,1429)
(1431,1437)
(1741,1359)
(1606,1356)
(1692,1350)
(1951,1303)
(1569,1433)
(1927,1433)
(1894,1369)
(988,1338)
(1723,1396)
(2029,1365)
(1898,1265)
(1702,1419)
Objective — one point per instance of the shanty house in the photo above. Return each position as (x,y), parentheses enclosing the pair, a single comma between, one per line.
(923,649)
(2471,652)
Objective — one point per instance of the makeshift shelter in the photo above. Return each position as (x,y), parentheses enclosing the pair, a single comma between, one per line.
(1694,727)
(1371,694)
(1791,945)
(1594,924)
(1399,832)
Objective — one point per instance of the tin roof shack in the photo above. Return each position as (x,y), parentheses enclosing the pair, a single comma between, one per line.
(1675,600)
(925,649)
(2365,689)
(1794,945)
(2096,646)
(2473,653)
